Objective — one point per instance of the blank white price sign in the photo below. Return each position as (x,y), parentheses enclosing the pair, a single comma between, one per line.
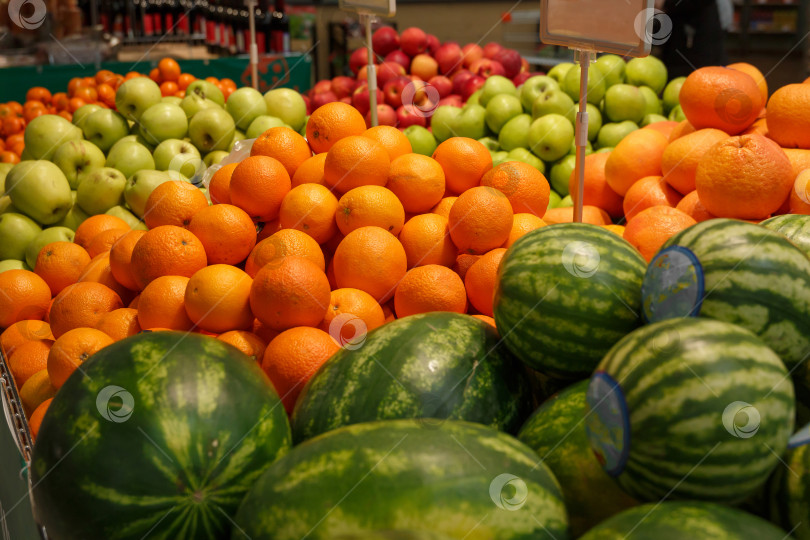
(381,8)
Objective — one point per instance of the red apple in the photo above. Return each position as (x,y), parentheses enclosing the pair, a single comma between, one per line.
(453,99)
(387,71)
(400,58)
(393,90)
(321,86)
(473,83)
(487,68)
(523,76)
(413,41)
(308,103)
(449,58)
(459,78)
(322,98)
(510,60)
(358,59)
(471,52)
(424,66)
(347,100)
(442,84)
(491,49)
(408,115)
(361,99)
(386,116)
(384,40)
(343,86)
(433,44)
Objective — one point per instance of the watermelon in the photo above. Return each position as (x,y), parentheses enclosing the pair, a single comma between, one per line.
(681,520)
(795,227)
(736,272)
(565,294)
(160,436)
(556,431)
(392,535)
(789,493)
(690,409)
(459,479)
(435,365)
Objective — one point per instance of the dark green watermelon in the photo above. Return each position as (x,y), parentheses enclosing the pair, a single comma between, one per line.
(789,493)
(457,479)
(392,535)
(685,521)
(795,227)
(157,436)
(436,365)
(556,431)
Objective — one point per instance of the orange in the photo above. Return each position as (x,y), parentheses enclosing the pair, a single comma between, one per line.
(665,128)
(525,187)
(247,342)
(82,304)
(173,203)
(647,192)
(36,389)
(281,244)
(418,181)
(98,271)
(480,220)
(650,228)
(22,331)
(218,298)
(169,69)
(71,350)
(680,160)
(36,417)
(789,116)
(264,332)
(590,214)
(799,158)
(464,162)
(638,155)
(480,280)
(489,320)
(121,258)
(370,205)
(38,93)
(799,199)
(162,304)
(393,140)
(61,264)
(597,191)
(444,206)
(310,171)
(692,207)
(760,126)
(755,74)
(23,295)
(29,358)
(388,311)
(430,288)
(258,185)
(220,185)
(684,128)
(167,250)
(120,323)
(370,259)
(615,229)
(746,177)
(283,144)
(93,225)
(294,292)
(356,161)
(310,208)
(721,98)
(426,240)
(293,357)
(523,224)
(350,315)
(226,232)
(104,241)
(168,88)
(134,303)
(332,122)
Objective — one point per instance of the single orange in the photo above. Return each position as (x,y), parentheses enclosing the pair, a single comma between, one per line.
(393,140)
(310,171)
(23,295)
(721,98)
(104,241)
(799,199)
(481,278)
(93,225)
(480,220)
(121,259)
(463,263)
(523,224)
(219,187)
(167,250)
(464,162)
(683,128)
(22,331)
(331,123)
(226,232)
(173,203)
(82,305)
(637,156)
(36,417)
(664,128)
(264,332)
(162,304)
(281,244)
(169,69)
(590,214)
(258,185)
(310,208)
(71,350)
(283,144)
(351,314)
(29,358)
(370,206)
(799,159)
(98,270)
(430,288)
(647,192)
(426,240)
(788,116)
(489,320)
(119,323)
(418,181)
(36,389)
(525,187)
(755,74)
(692,207)
(597,192)
(616,229)
(356,161)
(650,228)
(680,159)
(61,264)
(444,206)
(370,259)
(218,298)
(247,342)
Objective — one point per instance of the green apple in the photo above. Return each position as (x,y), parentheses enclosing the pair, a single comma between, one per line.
(104,128)
(303,130)
(140,185)
(647,71)
(101,190)
(42,239)
(443,120)
(495,86)
(174,100)
(178,155)
(288,105)
(594,120)
(533,87)
(652,119)
(244,105)
(136,95)
(524,156)
(475,98)
(40,190)
(651,101)
(212,158)
(500,109)
(16,232)
(193,103)
(470,122)
(499,157)
(13,264)
(672,94)
(206,90)
(559,71)
(44,134)
(552,101)
(566,202)
(211,129)
(550,137)
(78,158)
(74,217)
(676,114)
(422,141)
(612,134)
(163,121)
(128,138)
(83,112)
(561,172)
(491,144)
(515,133)
(6,206)
(262,123)
(553,199)
(613,68)
(625,102)
(596,84)
(4,168)
(237,136)
(130,157)
(131,219)
(605,150)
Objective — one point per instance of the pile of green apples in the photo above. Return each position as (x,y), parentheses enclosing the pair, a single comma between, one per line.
(108,161)
(534,123)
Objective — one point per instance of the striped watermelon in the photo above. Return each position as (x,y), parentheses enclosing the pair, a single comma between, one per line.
(459,479)
(556,431)
(795,227)
(685,520)
(434,365)
(392,535)
(160,436)
(565,294)
(736,272)
(690,409)
(789,493)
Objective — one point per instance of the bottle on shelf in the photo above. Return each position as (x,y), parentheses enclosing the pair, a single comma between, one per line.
(147,9)
(279,29)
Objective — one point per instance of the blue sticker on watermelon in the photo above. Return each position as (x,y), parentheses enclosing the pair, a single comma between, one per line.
(608,423)
(674,285)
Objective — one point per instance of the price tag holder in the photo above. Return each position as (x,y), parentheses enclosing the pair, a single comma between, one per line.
(380,8)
